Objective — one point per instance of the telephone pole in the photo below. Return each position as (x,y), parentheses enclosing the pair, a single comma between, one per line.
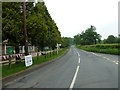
(25,31)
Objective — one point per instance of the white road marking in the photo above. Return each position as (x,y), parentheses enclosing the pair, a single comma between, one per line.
(96,54)
(105,57)
(116,62)
(78,54)
(79,60)
(74,78)
(93,53)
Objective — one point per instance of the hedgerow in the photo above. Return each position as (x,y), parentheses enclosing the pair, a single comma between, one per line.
(102,48)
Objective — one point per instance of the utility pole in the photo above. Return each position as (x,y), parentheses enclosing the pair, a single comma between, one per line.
(25,31)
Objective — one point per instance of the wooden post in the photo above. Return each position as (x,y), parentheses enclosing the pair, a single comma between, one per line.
(50,53)
(5,49)
(37,54)
(45,55)
(9,61)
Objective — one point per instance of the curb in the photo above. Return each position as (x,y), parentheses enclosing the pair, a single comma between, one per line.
(25,72)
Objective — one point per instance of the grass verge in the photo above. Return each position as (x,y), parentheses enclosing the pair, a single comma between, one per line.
(6,70)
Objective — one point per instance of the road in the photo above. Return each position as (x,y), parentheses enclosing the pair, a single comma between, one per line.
(76,69)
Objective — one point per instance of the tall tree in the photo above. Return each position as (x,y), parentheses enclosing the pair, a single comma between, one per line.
(88,37)
(12,23)
(66,41)
(111,39)
(41,29)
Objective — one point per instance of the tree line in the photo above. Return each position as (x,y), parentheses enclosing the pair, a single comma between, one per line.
(41,28)
(91,37)
(111,39)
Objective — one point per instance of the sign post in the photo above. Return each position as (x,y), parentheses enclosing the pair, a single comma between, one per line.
(57,48)
(58,45)
(10,52)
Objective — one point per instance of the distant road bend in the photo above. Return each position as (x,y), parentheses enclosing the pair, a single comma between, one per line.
(76,69)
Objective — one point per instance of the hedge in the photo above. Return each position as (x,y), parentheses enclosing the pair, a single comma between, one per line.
(102,48)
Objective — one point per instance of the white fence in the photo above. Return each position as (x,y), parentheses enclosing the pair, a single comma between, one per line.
(6,57)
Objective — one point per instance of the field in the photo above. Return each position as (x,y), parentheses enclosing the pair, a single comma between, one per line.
(102,48)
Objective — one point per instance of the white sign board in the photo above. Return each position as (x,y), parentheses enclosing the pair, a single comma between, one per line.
(59,44)
(46,48)
(28,60)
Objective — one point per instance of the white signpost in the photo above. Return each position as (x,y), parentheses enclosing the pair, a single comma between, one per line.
(28,60)
(58,45)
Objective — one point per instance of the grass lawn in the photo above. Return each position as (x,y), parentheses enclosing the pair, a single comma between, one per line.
(6,70)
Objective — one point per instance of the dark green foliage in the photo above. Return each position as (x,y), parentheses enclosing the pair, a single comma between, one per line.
(66,41)
(12,23)
(41,28)
(0,22)
(88,37)
(111,39)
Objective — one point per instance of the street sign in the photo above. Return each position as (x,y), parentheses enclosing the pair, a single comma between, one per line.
(46,48)
(59,44)
(28,60)
(10,50)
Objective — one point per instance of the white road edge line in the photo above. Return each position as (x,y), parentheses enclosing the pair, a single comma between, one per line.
(106,58)
(74,78)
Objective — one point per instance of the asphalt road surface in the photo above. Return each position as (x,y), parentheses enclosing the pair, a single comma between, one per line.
(77,69)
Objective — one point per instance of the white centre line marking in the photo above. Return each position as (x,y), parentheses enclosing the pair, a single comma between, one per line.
(74,78)
(79,60)
(78,54)
(116,63)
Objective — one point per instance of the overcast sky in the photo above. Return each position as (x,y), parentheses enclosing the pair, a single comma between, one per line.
(74,16)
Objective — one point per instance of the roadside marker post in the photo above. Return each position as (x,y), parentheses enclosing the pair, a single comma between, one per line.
(9,61)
